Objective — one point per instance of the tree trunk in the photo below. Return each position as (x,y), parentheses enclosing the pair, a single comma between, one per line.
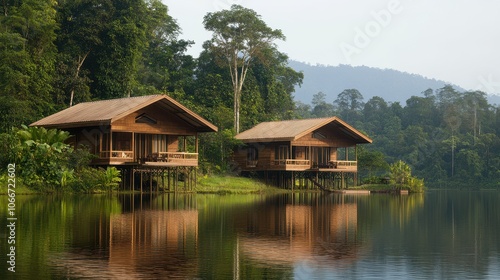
(80,63)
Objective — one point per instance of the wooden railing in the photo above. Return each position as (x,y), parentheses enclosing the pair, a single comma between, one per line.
(129,155)
(291,162)
(171,159)
(176,156)
(343,164)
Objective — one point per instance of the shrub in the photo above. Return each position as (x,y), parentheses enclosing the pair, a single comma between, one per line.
(91,180)
(400,175)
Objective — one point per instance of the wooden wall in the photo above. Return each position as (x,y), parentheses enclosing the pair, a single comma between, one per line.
(265,155)
(333,138)
(167,123)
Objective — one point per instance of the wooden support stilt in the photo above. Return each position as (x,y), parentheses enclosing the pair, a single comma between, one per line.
(141,180)
(132,178)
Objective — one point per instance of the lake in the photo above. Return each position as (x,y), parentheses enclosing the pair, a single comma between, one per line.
(439,234)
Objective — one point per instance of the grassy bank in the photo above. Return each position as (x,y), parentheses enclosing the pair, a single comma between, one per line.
(233,185)
(20,189)
(383,188)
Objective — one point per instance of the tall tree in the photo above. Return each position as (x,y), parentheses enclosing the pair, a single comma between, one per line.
(320,107)
(82,25)
(165,66)
(27,55)
(349,103)
(239,37)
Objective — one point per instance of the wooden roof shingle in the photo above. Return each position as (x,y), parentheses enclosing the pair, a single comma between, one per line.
(292,130)
(105,112)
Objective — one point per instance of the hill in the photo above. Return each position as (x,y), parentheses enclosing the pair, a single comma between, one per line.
(392,85)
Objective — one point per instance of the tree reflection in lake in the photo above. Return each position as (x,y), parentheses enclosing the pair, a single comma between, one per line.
(301,236)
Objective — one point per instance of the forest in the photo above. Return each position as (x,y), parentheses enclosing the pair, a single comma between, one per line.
(56,53)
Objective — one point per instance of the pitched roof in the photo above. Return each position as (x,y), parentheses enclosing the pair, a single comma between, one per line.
(292,130)
(108,111)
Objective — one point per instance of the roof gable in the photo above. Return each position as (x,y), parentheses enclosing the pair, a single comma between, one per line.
(294,129)
(105,112)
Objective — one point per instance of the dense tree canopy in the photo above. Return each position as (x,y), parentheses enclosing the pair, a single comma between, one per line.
(54,54)
(449,138)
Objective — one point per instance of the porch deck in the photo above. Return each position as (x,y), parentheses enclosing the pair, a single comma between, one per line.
(304,165)
(155,159)
(172,159)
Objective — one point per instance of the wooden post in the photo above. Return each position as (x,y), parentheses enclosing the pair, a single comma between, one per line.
(133,146)
(196,143)
(110,143)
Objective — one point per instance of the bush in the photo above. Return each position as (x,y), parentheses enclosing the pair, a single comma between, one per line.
(92,180)
(400,175)
(46,163)
(42,156)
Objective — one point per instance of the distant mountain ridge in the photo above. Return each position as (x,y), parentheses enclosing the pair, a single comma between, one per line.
(391,85)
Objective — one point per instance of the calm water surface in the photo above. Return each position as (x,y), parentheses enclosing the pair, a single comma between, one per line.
(450,235)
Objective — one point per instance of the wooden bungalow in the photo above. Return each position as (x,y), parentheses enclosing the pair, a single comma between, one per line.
(137,133)
(316,148)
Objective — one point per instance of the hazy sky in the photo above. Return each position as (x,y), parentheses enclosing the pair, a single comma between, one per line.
(457,41)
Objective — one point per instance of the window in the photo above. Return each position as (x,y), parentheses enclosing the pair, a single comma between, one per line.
(281,152)
(122,141)
(318,135)
(144,118)
(252,154)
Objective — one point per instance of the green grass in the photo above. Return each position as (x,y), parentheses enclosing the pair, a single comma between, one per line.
(233,185)
(20,189)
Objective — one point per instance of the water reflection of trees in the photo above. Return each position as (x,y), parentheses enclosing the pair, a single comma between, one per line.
(191,236)
(48,225)
(450,226)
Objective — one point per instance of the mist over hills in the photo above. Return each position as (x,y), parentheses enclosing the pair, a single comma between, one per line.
(392,85)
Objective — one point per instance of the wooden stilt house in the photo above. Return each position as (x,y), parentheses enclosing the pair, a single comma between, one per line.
(142,132)
(321,150)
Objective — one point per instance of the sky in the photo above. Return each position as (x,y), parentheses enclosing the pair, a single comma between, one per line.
(457,41)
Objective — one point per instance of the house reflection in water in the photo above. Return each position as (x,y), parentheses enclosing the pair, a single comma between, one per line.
(153,243)
(323,235)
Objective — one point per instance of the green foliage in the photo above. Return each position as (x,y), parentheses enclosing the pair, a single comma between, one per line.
(45,163)
(92,180)
(216,150)
(27,59)
(400,174)
(371,162)
(448,137)
(41,156)
(110,179)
